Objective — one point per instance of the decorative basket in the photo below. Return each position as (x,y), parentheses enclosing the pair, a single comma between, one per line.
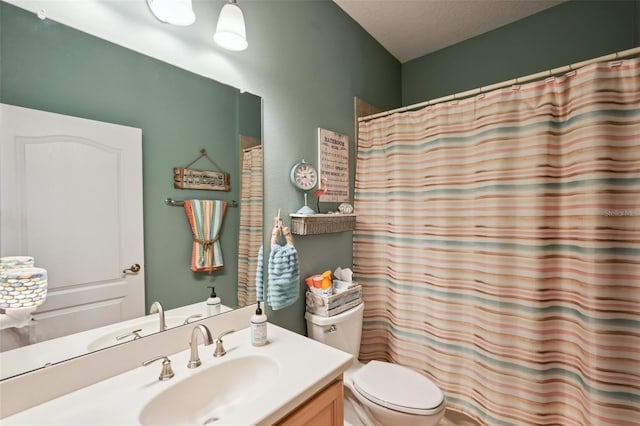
(337,303)
(322,223)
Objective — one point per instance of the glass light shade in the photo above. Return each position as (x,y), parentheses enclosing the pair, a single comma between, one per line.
(22,287)
(230,32)
(175,12)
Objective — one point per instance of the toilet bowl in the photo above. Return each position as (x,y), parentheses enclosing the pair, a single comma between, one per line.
(381,393)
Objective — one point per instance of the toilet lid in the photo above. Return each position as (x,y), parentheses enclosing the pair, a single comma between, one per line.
(398,388)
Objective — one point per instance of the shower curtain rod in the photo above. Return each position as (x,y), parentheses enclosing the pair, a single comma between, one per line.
(516,81)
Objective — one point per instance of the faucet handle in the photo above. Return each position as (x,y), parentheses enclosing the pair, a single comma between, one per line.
(219,347)
(135,333)
(191,317)
(166,372)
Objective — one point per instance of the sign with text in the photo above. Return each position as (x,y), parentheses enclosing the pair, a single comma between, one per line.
(200,179)
(333,165)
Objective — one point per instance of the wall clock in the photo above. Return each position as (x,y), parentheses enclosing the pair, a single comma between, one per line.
(304,177)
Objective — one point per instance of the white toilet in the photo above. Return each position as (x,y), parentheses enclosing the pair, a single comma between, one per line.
(385,394)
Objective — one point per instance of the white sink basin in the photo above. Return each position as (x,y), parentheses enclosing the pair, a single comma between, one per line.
(148,326)
(205,397)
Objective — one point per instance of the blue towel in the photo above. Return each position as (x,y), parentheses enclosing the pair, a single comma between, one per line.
(284,276)
(260,276)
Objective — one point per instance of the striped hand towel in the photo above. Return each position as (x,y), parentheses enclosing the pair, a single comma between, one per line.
(205,218)
(284,277)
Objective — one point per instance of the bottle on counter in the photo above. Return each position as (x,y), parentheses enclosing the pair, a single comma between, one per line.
(258,328)
(213,303)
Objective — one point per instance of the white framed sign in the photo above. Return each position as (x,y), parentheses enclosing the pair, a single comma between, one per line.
(333,166)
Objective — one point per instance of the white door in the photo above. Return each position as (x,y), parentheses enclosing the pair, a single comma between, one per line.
(71,197)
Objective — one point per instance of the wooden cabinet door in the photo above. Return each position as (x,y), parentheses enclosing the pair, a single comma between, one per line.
(324,409)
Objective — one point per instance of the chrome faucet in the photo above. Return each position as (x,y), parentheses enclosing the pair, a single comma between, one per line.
(156,308)
(194,361)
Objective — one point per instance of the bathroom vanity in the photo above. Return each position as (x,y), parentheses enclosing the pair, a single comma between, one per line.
(273,384)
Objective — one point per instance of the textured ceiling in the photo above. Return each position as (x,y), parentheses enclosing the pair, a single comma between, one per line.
(409,29)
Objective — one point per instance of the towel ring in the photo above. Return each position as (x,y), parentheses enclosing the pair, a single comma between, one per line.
(281,230)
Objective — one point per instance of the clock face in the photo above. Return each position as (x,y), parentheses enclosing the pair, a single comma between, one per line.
(304,176)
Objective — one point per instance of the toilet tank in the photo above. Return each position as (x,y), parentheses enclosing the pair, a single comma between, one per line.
(342,331)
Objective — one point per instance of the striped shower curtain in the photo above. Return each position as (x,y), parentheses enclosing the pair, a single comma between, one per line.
(250,224)
(498,244)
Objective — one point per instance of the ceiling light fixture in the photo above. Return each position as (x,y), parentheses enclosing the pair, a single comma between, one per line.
(230,32)
(175,12)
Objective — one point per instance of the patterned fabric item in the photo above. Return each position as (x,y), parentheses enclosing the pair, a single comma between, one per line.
(498,245)
(250,239)
(283,282)
(205,218)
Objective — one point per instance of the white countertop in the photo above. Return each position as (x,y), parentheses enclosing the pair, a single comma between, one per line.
(305,367)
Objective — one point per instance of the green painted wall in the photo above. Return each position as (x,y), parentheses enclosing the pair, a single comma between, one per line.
(570,32)
(250,115)
(48,66)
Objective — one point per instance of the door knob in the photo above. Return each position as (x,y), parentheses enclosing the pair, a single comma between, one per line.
(133,269)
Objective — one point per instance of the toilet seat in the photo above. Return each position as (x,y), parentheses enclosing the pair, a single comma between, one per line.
(398,388)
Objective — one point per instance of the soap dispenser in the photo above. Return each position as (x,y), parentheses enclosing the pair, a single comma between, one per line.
(213,303)
(259,328)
